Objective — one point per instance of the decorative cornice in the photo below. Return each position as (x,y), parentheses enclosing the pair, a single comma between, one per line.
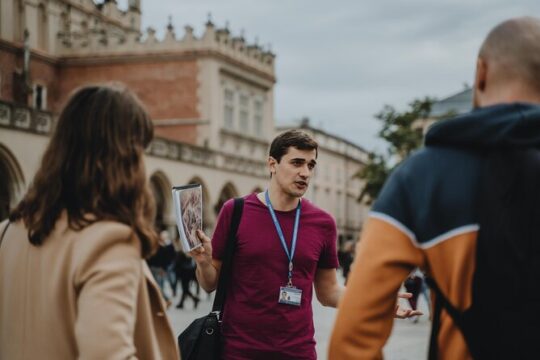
(115,16)
(238,136)
(218,42)
(22,118)
(177,151)
(176,122)
(17,49)
(84,60)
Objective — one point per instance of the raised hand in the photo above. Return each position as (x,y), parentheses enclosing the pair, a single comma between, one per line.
(203,254)
(403,313)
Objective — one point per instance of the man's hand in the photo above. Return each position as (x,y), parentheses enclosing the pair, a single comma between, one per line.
(402,313)
(207,269)
(203,254)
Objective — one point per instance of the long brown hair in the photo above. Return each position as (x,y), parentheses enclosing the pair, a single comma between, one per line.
(93,168)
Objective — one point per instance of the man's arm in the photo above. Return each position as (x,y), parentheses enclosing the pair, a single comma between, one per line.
(327,288)
(329,292)
(385,256)
(207,268)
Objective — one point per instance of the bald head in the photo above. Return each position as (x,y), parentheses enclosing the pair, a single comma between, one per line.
(512,49)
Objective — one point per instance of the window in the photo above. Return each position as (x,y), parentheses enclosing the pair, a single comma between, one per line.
(244,114)
(40,97)
(43,27)
(258,118)
(338,207)
(228,109)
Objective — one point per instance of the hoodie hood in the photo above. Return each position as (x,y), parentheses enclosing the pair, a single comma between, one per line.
(498,126)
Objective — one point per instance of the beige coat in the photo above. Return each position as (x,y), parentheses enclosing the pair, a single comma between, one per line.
(80,295)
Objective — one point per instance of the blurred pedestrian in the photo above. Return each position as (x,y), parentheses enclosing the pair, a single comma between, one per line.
(73,283)
(185,273)
(346,257)
(413,285)
(160,264)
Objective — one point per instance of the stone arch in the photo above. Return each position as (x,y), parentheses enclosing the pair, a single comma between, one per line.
(161,189)
(208,217)
(227,192)
(12,182)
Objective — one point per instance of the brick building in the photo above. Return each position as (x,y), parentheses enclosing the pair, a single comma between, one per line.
(211,98)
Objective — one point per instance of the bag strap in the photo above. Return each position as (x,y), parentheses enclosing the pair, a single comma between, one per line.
(4,233)
(226,265)
(441,302)
(435,327)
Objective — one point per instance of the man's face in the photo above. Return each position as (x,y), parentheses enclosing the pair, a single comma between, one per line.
(293,172)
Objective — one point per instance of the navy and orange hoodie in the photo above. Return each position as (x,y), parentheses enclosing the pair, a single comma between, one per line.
(426,217)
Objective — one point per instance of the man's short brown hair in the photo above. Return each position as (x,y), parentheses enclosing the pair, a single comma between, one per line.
(292,138)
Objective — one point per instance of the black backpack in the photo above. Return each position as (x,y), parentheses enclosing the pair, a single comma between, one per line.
(503,321)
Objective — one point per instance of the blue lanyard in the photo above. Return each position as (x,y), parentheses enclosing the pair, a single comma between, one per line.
(290,255)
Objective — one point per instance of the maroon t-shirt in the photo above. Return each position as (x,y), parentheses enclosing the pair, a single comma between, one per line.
(255,325)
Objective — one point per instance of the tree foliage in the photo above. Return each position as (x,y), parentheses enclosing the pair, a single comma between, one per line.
(403,137)
(374,174)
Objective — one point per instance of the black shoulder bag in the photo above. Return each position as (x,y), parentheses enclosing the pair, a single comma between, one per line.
(201,340)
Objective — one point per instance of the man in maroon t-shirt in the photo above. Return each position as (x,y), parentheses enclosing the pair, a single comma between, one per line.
(259,320)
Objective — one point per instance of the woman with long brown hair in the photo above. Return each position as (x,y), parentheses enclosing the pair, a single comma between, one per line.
(73,282)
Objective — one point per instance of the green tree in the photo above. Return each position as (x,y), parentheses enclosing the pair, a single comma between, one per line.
(403,137)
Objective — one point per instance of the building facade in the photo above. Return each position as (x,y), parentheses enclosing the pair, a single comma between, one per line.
(453,105)
(211,98)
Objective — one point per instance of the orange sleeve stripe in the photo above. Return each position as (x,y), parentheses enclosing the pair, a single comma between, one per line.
(385,256)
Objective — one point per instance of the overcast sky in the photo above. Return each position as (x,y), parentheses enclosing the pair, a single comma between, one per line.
(340,62)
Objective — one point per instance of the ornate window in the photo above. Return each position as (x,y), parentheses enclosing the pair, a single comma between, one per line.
(338,207)
(40,97)
(244,114)
(228,108)
(43,27)
(258,118)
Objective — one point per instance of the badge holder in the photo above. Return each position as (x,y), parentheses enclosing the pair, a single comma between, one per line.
(290,294)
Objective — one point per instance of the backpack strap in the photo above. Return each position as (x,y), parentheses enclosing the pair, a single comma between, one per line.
(435,327)
(226,266)
(441,302)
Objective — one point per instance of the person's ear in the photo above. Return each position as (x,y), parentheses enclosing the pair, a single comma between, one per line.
(480,83)
(272,165)
(481,75)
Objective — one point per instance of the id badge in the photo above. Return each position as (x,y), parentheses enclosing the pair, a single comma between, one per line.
(290,295)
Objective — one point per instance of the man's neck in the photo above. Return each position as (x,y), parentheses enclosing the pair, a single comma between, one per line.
(280,200)
(511,93)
